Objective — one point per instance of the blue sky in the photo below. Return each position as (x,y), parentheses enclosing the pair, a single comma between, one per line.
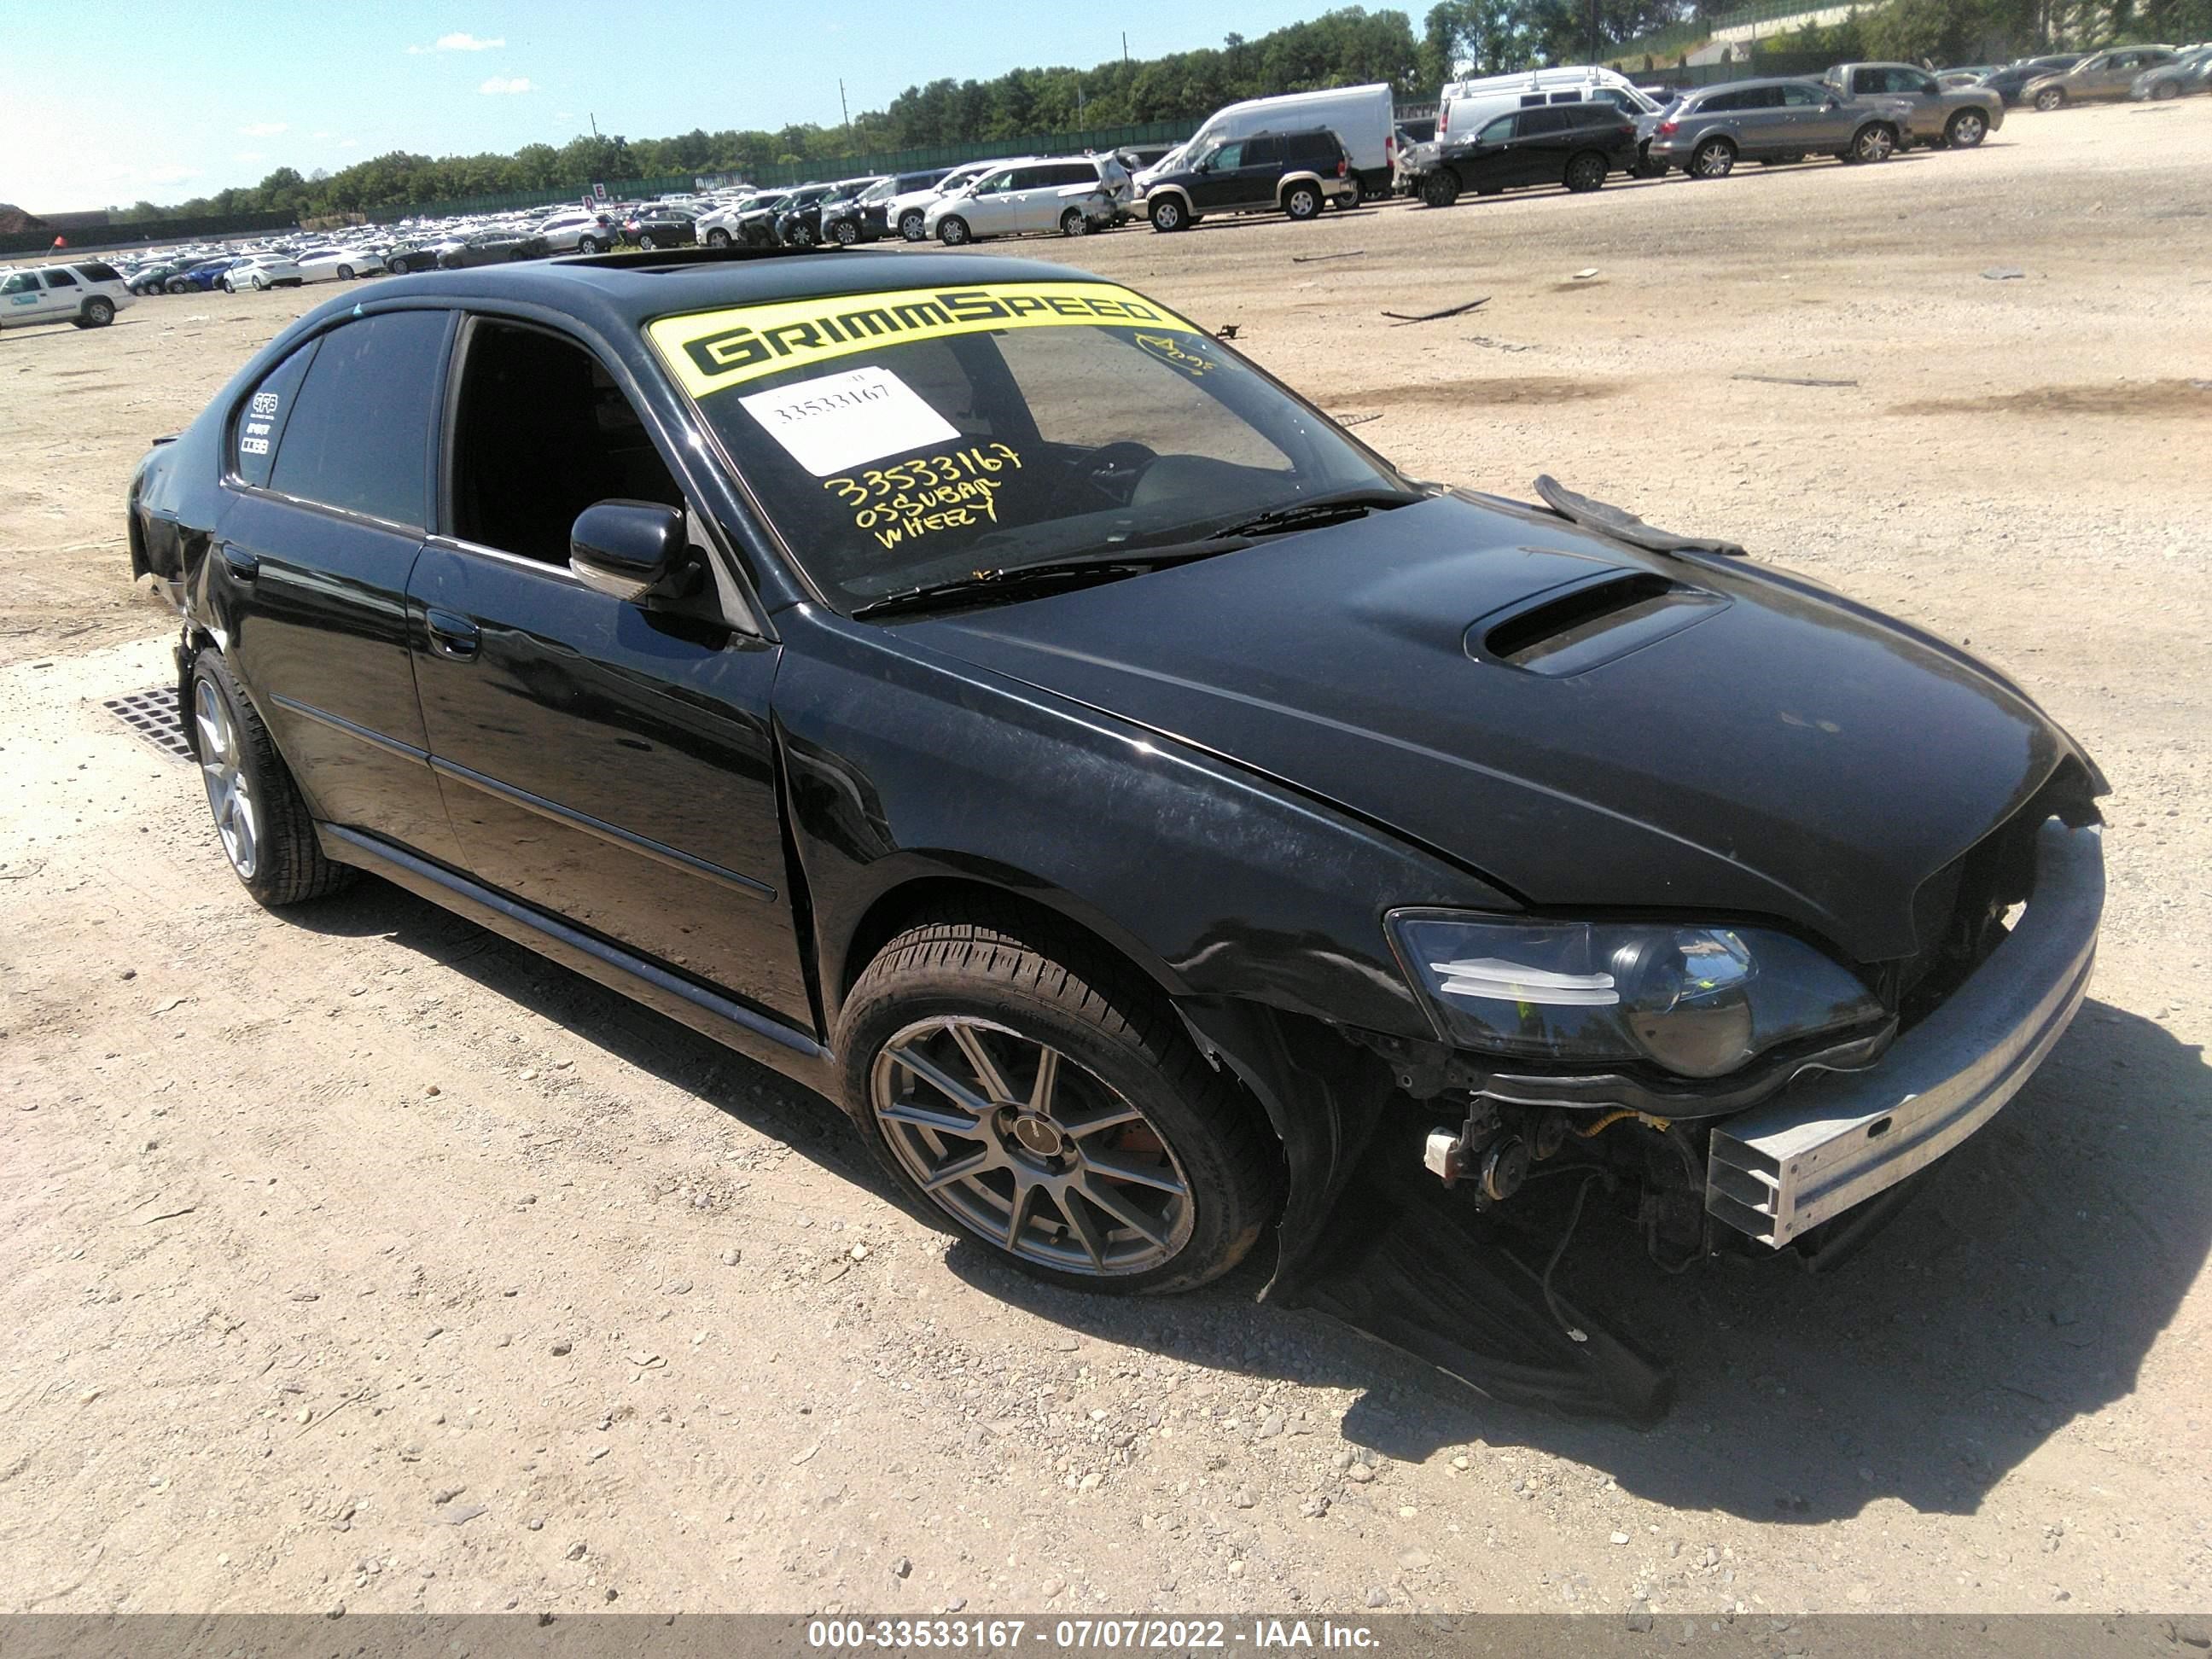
(172,99)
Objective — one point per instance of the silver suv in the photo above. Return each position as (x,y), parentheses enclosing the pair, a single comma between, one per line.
(89,294)
(1710,131)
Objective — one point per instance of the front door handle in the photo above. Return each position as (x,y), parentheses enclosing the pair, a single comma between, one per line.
(451,636)
(243,566)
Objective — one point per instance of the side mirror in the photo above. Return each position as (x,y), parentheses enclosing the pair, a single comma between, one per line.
(629,551)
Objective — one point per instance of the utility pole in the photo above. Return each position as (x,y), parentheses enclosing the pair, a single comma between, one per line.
(842,107)
(1125,48)
(1594,41)
(594,120)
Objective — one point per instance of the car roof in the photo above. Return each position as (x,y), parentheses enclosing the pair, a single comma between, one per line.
(620,293)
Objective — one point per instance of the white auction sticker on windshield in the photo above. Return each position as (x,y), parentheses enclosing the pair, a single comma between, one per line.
(839,420)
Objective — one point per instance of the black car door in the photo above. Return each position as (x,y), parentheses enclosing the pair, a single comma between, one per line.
(1488,162)
(1262,168)
(1217,183)
(603,762)
(327,491)
(1540,141)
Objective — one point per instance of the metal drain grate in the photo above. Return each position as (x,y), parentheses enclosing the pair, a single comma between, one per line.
(153,715)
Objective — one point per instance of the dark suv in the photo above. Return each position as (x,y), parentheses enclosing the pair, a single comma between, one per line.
(1572,144)
(862,218)
(1295,172)
(967,687)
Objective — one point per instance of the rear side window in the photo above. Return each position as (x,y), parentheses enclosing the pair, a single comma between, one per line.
(60,279)
(1075,173)
(1536,121)
(360,427)
(259,424)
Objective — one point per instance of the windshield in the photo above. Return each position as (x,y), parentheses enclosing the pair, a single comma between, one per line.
(902,439)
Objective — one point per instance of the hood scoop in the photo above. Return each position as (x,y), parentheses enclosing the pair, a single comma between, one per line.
(1590,623)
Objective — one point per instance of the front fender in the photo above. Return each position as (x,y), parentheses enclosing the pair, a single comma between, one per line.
(902,764)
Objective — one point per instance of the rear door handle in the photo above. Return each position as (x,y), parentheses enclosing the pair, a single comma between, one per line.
(451,636)
(243,566)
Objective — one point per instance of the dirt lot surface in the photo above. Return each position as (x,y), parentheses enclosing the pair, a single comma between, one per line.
(358,1258)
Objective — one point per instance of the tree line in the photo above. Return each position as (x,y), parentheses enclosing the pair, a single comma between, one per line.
(1345,47)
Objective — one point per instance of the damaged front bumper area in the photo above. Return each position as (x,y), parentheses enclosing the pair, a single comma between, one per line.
(1835,1140)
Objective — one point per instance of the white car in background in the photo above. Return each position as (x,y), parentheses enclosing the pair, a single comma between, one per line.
(89,294)
(339,265)
(574,231)
(908,214)
(718,227)
(1073,195)
(260,270)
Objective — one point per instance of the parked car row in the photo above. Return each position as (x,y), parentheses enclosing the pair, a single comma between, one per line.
(2050,83)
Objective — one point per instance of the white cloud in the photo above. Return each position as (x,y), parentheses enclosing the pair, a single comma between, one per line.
(324,132)
(460,41)
(500,84)
(265,129)
(250,155)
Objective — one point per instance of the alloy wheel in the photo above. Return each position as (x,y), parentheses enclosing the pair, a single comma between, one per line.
(1028,1149)
(230,796)
(1875,144)
(1967,130)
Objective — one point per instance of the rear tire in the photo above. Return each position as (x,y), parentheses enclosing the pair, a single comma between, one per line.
(99,312)
(1965,130)
(1075,222)
(1169,214)
(952,230)
(260,817)
(1585,172)
(1871,144)
(1204,1172)
(2162,90)
(177,285)
(345,273)
(590,244)
(1440,189)
(846,233)
(1301,201)
(912,225)
(718,237)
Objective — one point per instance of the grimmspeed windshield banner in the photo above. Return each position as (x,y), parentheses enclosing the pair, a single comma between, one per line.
(710,350)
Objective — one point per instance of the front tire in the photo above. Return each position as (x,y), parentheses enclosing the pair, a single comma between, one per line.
(1966,130)
(1168,214)
(590,244)
(1040,1098)
(2162,90)
(1714,159)
(914,225)
(2048,98)
(846,233)
(260,815)
(952,230)
(345,273)
(1440,189)
(1301,201)
(718,237)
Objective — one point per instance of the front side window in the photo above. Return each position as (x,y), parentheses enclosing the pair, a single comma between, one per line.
(1800,96)
(902,439)
(358,435)
(1229,155)
(1497,131)
(541,432)
(22,283)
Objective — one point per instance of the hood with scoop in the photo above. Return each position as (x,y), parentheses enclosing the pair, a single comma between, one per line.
(1588,724)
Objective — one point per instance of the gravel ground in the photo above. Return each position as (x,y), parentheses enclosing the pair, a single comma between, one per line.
(362,1258)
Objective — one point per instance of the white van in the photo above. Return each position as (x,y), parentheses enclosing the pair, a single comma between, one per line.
(1464,105)
(1364,117)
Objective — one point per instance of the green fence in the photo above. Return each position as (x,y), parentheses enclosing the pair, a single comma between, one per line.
(1744,68)
(92,238)
(1672,41)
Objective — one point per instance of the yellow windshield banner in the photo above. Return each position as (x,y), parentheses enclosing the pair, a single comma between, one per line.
(709,351)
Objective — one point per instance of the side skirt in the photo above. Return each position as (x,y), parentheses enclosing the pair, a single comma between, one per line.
(756,1035)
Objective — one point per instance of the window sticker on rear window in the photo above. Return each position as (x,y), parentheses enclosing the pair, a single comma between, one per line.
(709,351)
(834,421)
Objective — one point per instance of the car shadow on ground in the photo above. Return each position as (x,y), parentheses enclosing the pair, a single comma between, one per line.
(2022,1288)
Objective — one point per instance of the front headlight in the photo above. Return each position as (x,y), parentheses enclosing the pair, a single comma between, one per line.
(1698,1002)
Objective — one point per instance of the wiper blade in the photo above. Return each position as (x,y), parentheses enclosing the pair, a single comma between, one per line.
(1018,579)
(1310,515)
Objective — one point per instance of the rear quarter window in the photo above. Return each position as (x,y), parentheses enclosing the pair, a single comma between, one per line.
(94,272)
(258,425)
(358,434)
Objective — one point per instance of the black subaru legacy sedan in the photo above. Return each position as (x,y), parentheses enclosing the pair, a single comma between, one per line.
(968,688)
